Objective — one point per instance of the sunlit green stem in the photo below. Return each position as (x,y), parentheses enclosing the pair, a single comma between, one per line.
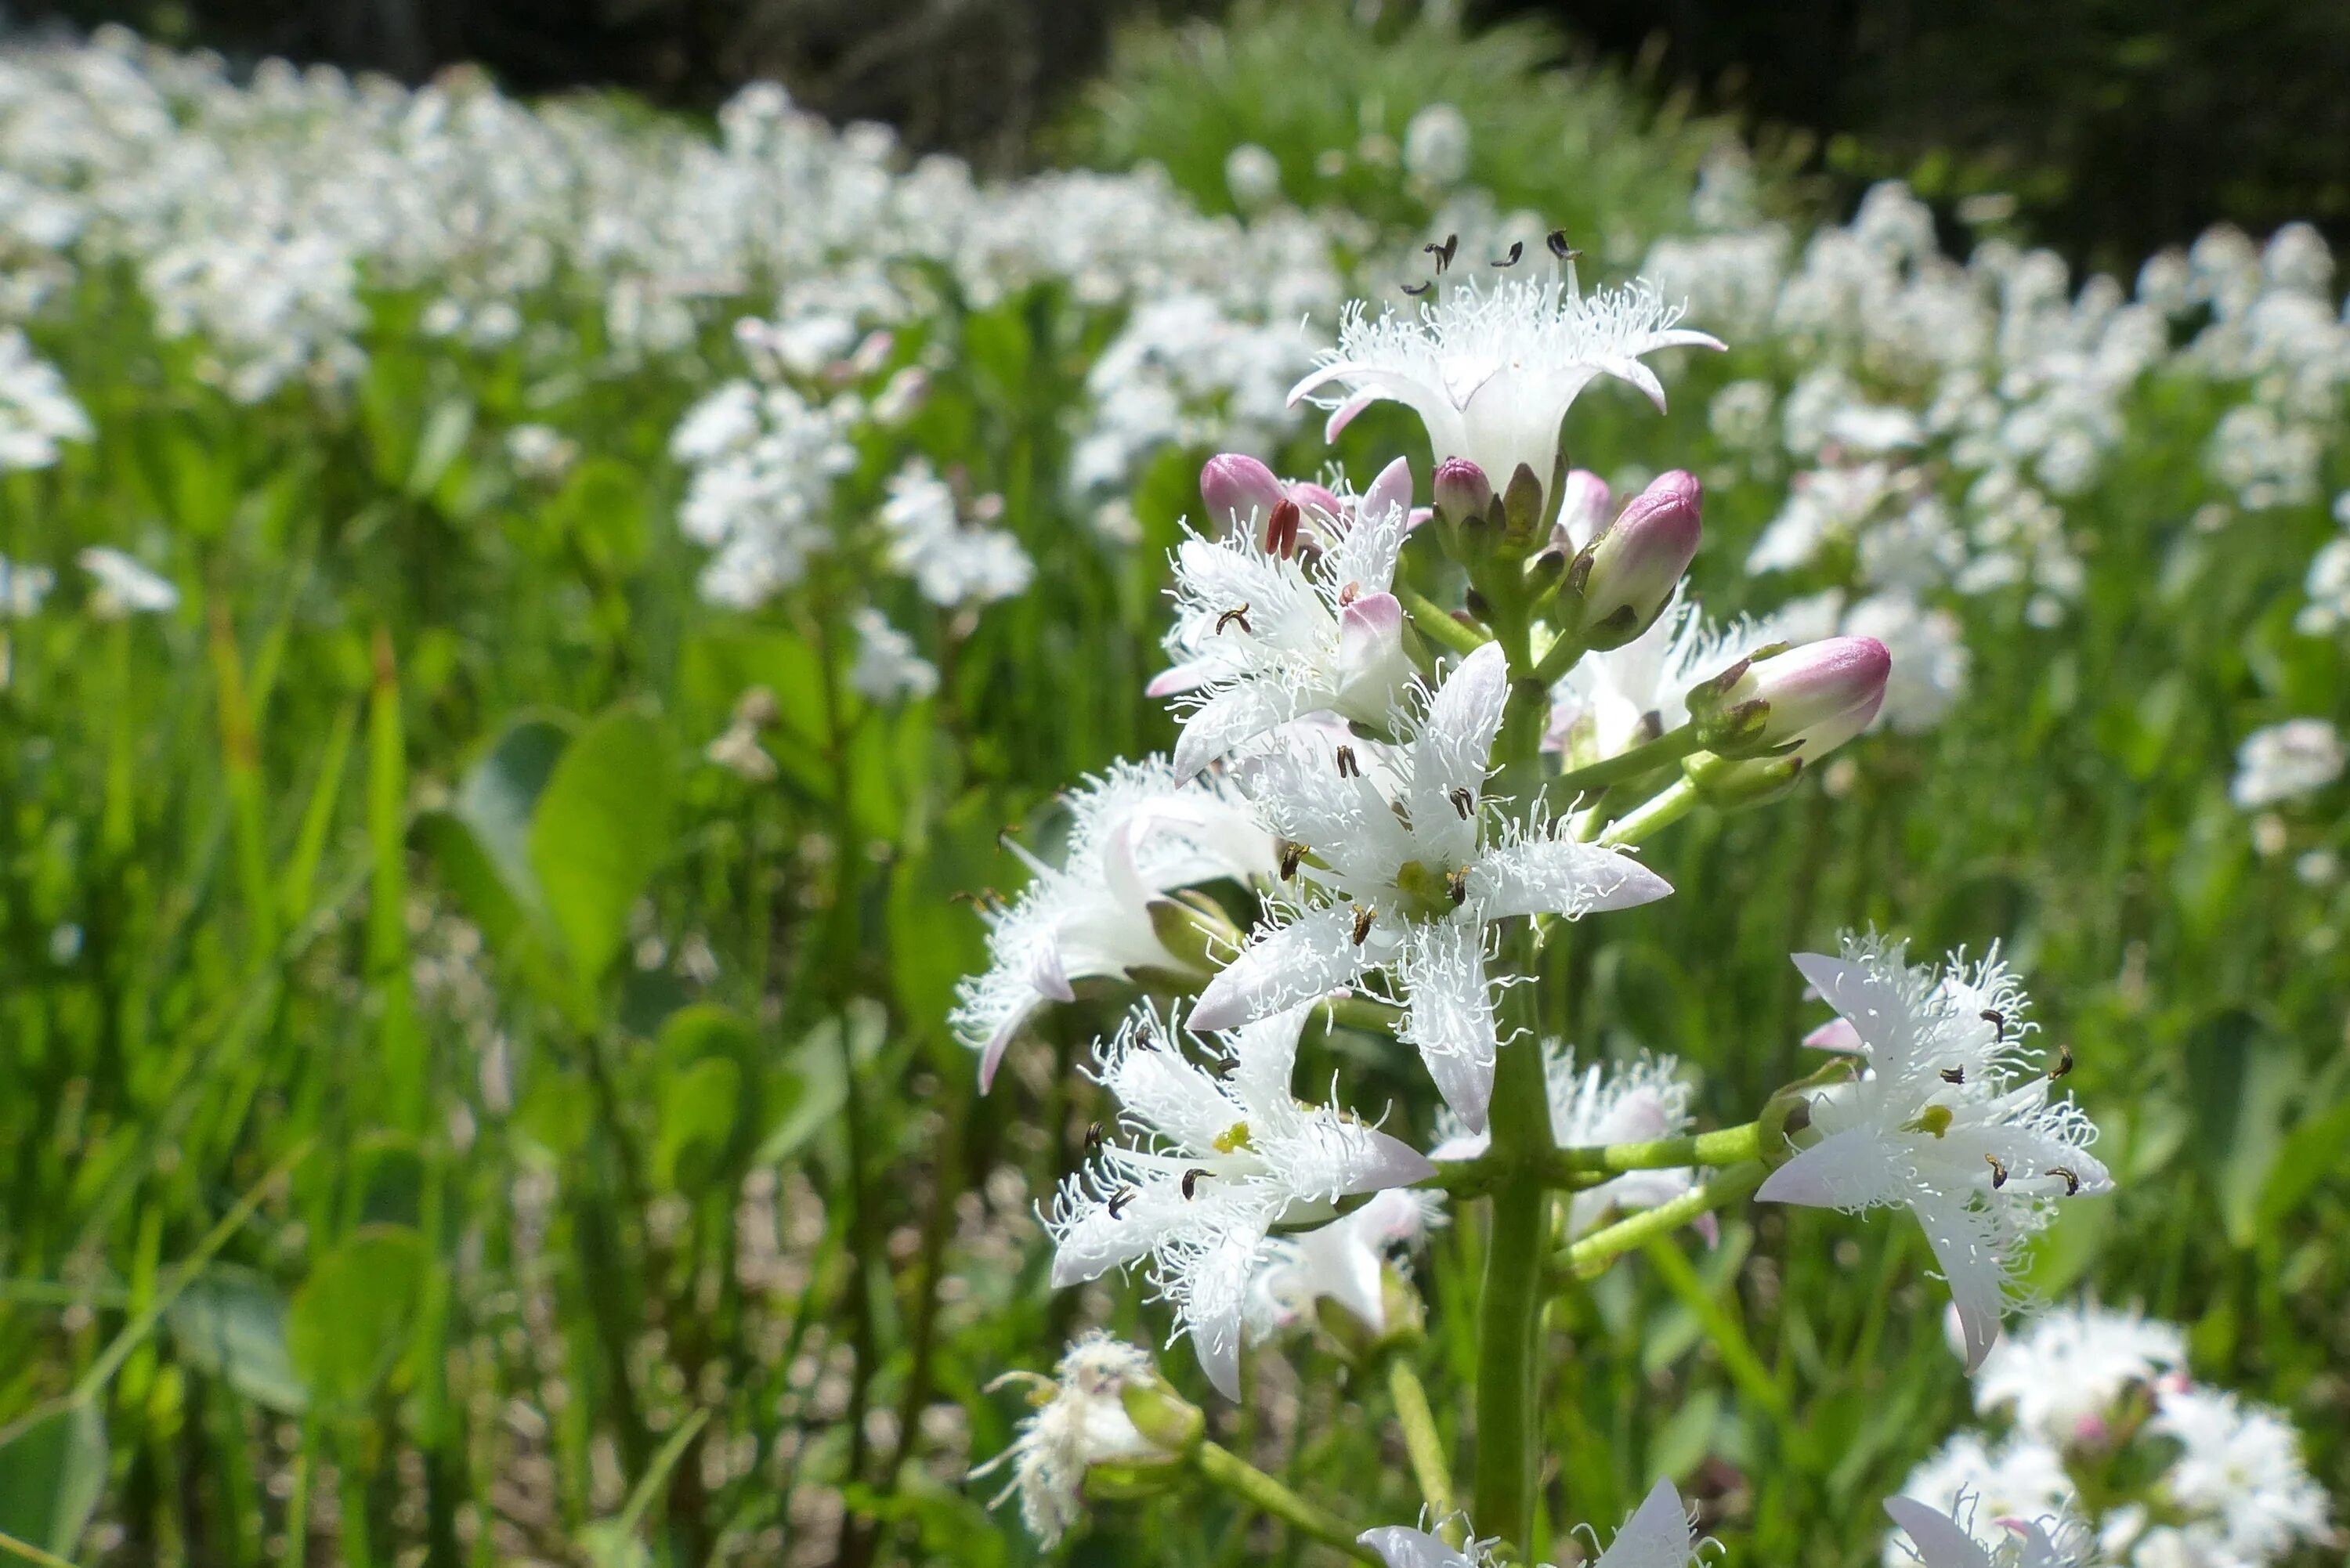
(1571,1169)
(1510,1308)
(1595,1251)
(1260,1491)
(1659,813)
(1438,626)
(1429,1465)
(1644,758)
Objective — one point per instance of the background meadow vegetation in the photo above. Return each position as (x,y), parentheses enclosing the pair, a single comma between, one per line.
(474,1077)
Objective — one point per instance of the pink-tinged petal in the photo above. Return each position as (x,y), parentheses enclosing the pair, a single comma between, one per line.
(1390,490)
(1640,376)
(1178,677)
(1373,1161)
(1837,1035)
(1402,1547)
(1559,875)
(991,1057)
(1964,1246)
(1317,378)
(1851,1169)
(1879,1011)
(1304,961)
(1655,1536)
(1344,414)
(1939,1541)
(1047,973)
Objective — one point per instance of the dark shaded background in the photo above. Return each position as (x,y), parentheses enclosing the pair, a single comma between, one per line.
(2119,125)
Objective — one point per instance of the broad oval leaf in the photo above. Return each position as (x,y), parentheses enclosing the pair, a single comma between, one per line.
(601,827)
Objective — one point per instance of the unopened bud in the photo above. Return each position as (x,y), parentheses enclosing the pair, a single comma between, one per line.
(1462,491)
(1195,931)
(1166,1419)
(1582,510)
(1812,700)
(1315,499)
(1638,561)
(1403,1320)
(1240,491)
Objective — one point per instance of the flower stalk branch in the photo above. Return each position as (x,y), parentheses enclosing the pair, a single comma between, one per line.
(1590,1256)
(1438,625)
(1244,1481)
(1421,1441)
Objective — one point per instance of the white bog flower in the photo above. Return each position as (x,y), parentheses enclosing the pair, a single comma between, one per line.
(1632,1102)
(1943,1538)
(1135,834)
(2297,757)
(125,586)
(887,667)
(2063,1373)
(1657,1535)
(1261,638)
(36,412)
(2021,1479)
(1219,1162)
(1946,1119)
(1343,1262)
(2240,1470)
(1401,877)
(1492,369)
(952,564)
(1080,1421)
(1436,145)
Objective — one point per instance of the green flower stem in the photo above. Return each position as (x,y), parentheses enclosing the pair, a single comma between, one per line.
(1721,1325)
(1644,758)
(1572,1169)
(1510,1308)
(1260,1491)
(1595,1251)
(1429,1466)
(1563,655)
(1437,625)
(1363,1013)
(1660,812)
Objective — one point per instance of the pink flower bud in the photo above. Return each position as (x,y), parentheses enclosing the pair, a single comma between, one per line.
(1316,501)
(1462,491)
(1815,697)
(1582,510)
(1637,562)
(1240,491)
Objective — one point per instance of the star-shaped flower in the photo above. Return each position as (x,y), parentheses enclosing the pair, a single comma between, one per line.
(1264,636)
(1946,1118)
(1220,1161)
(1344,1262)
(1948,1540)
(1402,877)
(1657,1535)
(1491,370)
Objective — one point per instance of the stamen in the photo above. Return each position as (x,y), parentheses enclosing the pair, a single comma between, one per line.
(1417,289)
(2064,1063)
(2072,1178)
(1192,1180)
(1364,916)
(1444,252)
(1347,767)
(1292,852)
(1120,1200)
(1462,802)
(1998,1022)
(1229,615)
(1350,594)
(1093,1139)
(1954,1074)
(1457,886)
(1517,252)
(1557,240)
(1998,1172)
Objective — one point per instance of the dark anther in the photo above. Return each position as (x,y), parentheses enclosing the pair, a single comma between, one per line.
(1517,251)
(1119,1200)
(2072,1179)
(1093,1137)
(1954,1074)
(1350,594)
(1347,767)
(1998,1022)
(1557,240)
(1998,1172)
(1291,854)
(1229,615)
(1444,252)
(1192,1179)
(1281,528)
(1417,289)
(1364,916)
(1462,802)
(2064,1063)
(1457,886)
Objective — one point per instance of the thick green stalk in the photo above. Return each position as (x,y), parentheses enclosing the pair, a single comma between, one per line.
(1510,1308)
(1244,1481)
(1429,1465)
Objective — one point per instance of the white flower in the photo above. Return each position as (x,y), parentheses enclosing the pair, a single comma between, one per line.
(1135,834)
(1636,1102)
(1611,701)
(1947,1119)
(1929,657)
(2064,1373)
(2241,1464)
(22,588)
(1657,1535)
(1252,176)
(887,667)
(2022,1478)
(36,412)
(1406,885)
(1259,638)
(1436,146)
(1492,369)
(1343,1261)
(1082,1423)
(125,586)
(2295,758)
(1221,1161)
(1946,1539)
(541,452)
(951,564)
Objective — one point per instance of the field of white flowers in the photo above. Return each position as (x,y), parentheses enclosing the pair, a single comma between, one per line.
(606,961)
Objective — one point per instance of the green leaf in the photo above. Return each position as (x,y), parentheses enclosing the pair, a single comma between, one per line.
(805,1093)
(601,827)
(501,794)
(352,1320)
(445,430)
(698,1108)
(557,1112)
(1682,1444)
(230,1322)
(2240,1079)
(52,1473)
(2308,1156)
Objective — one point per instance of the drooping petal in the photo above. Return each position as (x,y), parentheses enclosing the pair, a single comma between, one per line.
(1965,1245)
(990,1056)
(1940,1541)
(1852,1169)
(1304,961)
(1214,1296)
(1559,875)
(1450,1019)
(1655,1536)
(1402,1547)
